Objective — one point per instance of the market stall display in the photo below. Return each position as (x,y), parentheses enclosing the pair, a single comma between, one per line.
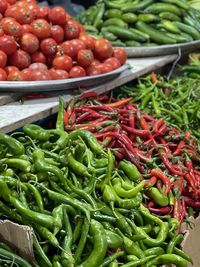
(38,43)
(46,175)
(142,23)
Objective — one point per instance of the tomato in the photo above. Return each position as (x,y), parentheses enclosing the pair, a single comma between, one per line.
(85,57)
(71,30)
(10,11)
(76,72)
(12,2)
(114,62)
(88,40)
(1,16)
(95,62)
(41,28)
(48,46)
(13,28)
(57,15)
(29,43)
(57,33)
(41,75)
(26,28)
(6,20)
(38,57)
(8,44)
(28,74)
(72,47)
(3,6)
(120,54)
(3,75)
(102,49)
(34,9)
(58,74)
(105,68)
(93,70)
(10,69)
(38,66)
(43,12)
(1,31)
(20,59)
(24,15)
(16,76)
(3,59)
(67,17)
(62,62)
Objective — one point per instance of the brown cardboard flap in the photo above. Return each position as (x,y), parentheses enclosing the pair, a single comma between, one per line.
(18,237)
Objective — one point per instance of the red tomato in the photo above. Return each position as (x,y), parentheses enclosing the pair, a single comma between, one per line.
(38,57)
(114,62)
(58,74)
(6,20)
(3,59)
(11,2)
(38,66)
(26,28)
(62,62)
(41,28)
(48,46)
(12,28)
(120,54)
(10,69)
(105,68)
(95,62)
(93,70)
(72,47)
(20,59)
(28,74)
(77,71)
(102,49)
(24,15)
(67,17)
(1,31)
(57,33)
(1,16)
(41,75)
(57,15)
(88,40)
(3,6)
(16,76)
(29,43)
(3,75)
(72,30)
(85,57)
(10,11)
(8,44)
(43,12)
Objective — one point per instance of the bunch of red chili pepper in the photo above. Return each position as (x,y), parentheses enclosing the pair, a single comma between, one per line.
(165,156)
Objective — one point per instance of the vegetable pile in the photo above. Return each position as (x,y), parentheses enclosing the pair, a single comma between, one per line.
(176,100)
(38,43)
(142,23)
(83,209)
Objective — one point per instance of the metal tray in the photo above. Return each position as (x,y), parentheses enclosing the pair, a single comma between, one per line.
(162,50)
(57,85)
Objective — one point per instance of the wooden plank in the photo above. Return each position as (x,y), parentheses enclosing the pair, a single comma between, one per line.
(14,115)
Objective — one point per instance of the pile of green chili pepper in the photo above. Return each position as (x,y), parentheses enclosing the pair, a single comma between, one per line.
(84,210)
(142,23)
(176,100)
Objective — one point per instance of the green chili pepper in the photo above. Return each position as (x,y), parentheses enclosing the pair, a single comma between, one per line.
(7,255)
(62,141)
(113,264)
(154,251)
(76,166)
(130,170)
(139,262)
(36,132)
(60,117)
(111,258)
(89,138)
(158,197)
(100,246)
(77,230)
(113,239)
(99,15)
(45,233)
(58,218)
(176,240)
(127,193)
(14,146)
(168,258)
(37,196)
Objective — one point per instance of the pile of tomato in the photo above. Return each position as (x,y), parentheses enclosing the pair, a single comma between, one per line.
(39,43)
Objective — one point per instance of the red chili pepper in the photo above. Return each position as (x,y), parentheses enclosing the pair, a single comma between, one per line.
(183,210)
(179,184)
(119,155)
(88,95)
(162,130)
(190,181)
(159,186)
(191,203)
(151,181)
(72,118)
(137,132)
(68,112)
(131,120)
(154,78)
(119,103)
(103,98)
(169,166)
(176,210)
(144,124)
(159,211)
(159,174)
(100,107)
(165,148)
(158,123)
(88,116)
(179,148)
(148,117)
